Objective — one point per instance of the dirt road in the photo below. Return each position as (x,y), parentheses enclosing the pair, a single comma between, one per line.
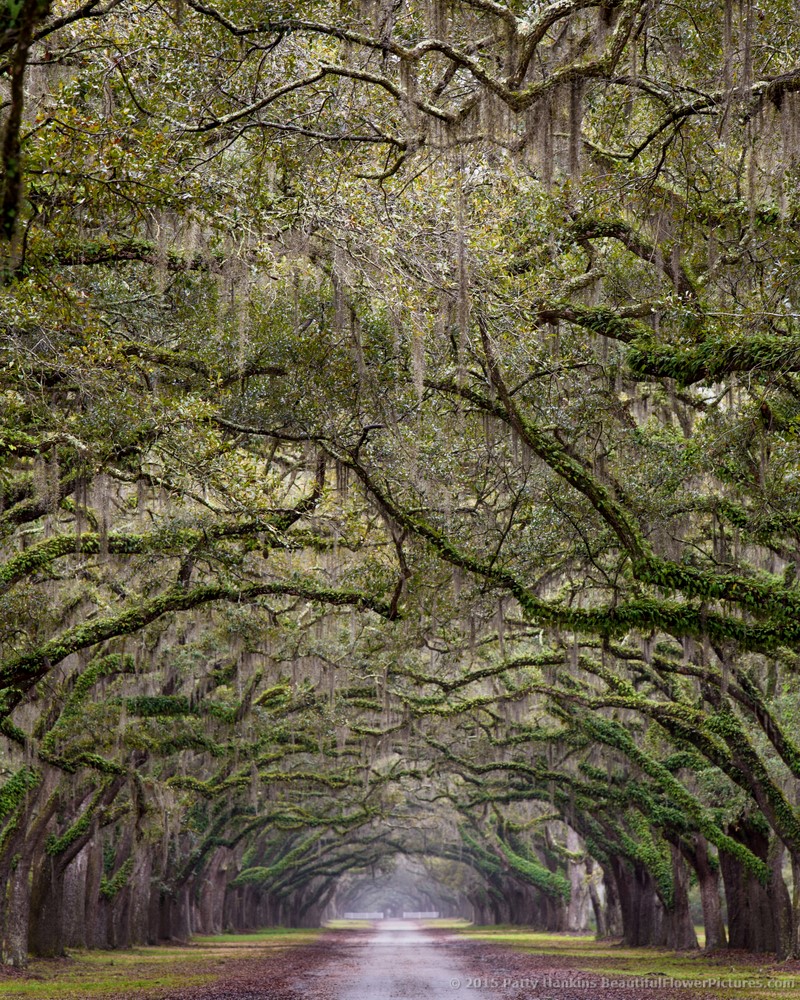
(395,960)
(401,960)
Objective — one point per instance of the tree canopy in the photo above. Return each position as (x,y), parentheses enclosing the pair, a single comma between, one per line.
(399,416)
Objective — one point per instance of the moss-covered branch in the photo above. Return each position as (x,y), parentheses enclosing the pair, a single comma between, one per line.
(19,673)
(714,358)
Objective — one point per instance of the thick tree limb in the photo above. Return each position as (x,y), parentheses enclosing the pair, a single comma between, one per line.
(19,673)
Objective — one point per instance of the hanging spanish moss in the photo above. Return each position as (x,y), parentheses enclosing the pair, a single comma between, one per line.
(727,46)
(496,120)
(501,627)
(575,131)
(342,477)
(790,130)
(727,68)
(752,171)
(162,241)
(418,360)
(53,480)
(325,234)
(341,311)
(101,501)
(384,14)
(438,19)
(746,45)
(408,82)
(41,487)
(463,291)
(81,508)
(539,138)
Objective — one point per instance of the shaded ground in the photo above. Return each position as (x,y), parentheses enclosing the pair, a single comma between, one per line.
(401,960)
(211,968)
(568,967)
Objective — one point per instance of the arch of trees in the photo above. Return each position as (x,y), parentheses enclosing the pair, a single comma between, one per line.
(398,459)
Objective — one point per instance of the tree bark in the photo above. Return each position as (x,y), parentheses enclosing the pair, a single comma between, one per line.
(708,879)
(26,845)
(611,907)
(782,916)
(639,904)
(74,915)
(94,925)
(46,926)
(678,929)
(15,945)
(579,887)
(750,918)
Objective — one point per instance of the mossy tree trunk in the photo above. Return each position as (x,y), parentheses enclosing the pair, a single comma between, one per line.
(750,912)
(678,928)
(46,917)
(710,899)
(640,908)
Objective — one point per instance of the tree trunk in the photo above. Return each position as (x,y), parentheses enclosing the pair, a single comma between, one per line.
(74,915)
(795,906)
(212,893)
(27,843)
(46,931)
(708,880)
(611,906)
(180,920)
(579,887)
(639,904)
(750,919)
(15,944)
(678,929)
(94,928)
(596,900)
(140,891)
(781,902)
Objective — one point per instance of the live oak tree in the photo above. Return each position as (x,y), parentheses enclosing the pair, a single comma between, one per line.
(453,348)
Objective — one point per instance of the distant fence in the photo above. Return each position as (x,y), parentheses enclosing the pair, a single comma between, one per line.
(364,916)
(420,914)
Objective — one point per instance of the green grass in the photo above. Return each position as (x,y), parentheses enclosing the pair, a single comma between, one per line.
(603,959)
(447,923)
(152,972)
(270,937)
(443,923)
(155,973)
(340,924)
